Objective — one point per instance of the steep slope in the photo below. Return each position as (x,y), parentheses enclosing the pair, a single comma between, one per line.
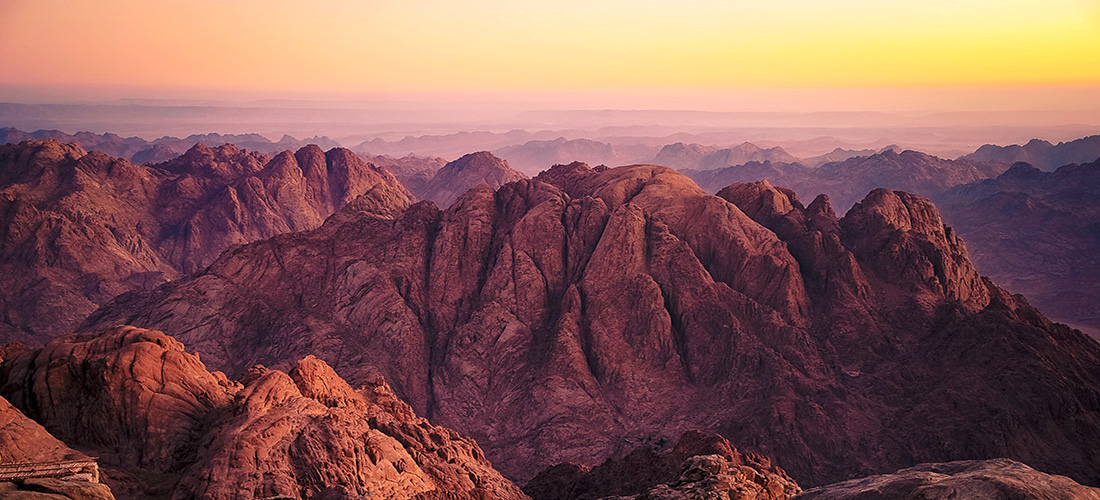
(143,403)
(1038,233)
(467,172)
(77,228)
(1041,154)
(577,315)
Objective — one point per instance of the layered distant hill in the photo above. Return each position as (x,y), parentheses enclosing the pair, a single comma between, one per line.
(1038,233)
(847,181)
(1041,154)
(574,316)
(79,228)
(533,157)
(139,150)
(457,177)
(699,157)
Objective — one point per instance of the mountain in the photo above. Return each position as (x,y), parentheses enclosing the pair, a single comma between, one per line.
(77,228)
(414,172)
(465,173)
(577,315)
(150,410)
(847,181)
(697,157)
(682,156)
(1038,233)
(840,154)
(1041,154)
(141,151)
(534,156)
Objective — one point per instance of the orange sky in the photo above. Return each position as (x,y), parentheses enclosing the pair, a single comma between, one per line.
(282,48)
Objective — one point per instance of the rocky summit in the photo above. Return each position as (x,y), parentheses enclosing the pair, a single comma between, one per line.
(578,315)
(78,228)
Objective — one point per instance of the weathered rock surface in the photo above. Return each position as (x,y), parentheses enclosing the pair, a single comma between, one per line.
(465,173)
(997,479)
(142,403)
(1038,233)
(699,466)
(77,229)
(574,316)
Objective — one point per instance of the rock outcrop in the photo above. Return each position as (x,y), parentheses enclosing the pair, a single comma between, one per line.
(80,228)
(699,466)
(572,317)
(140,401)
(997,479)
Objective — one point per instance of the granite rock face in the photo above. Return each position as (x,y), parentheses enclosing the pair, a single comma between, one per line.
(997,479)
(580,314)
(141,402)
(80,228)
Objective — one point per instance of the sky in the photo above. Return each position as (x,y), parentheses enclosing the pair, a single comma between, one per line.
(278,49)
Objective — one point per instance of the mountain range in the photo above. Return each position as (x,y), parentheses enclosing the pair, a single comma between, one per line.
(576,315)
(80,228)
(573,331)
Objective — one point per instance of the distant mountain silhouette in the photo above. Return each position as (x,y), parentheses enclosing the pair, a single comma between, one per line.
(1041,154)
(141,151)
(533,157)
(698,157)
(847,181)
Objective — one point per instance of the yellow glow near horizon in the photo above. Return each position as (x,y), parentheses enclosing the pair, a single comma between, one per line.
(496,45)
